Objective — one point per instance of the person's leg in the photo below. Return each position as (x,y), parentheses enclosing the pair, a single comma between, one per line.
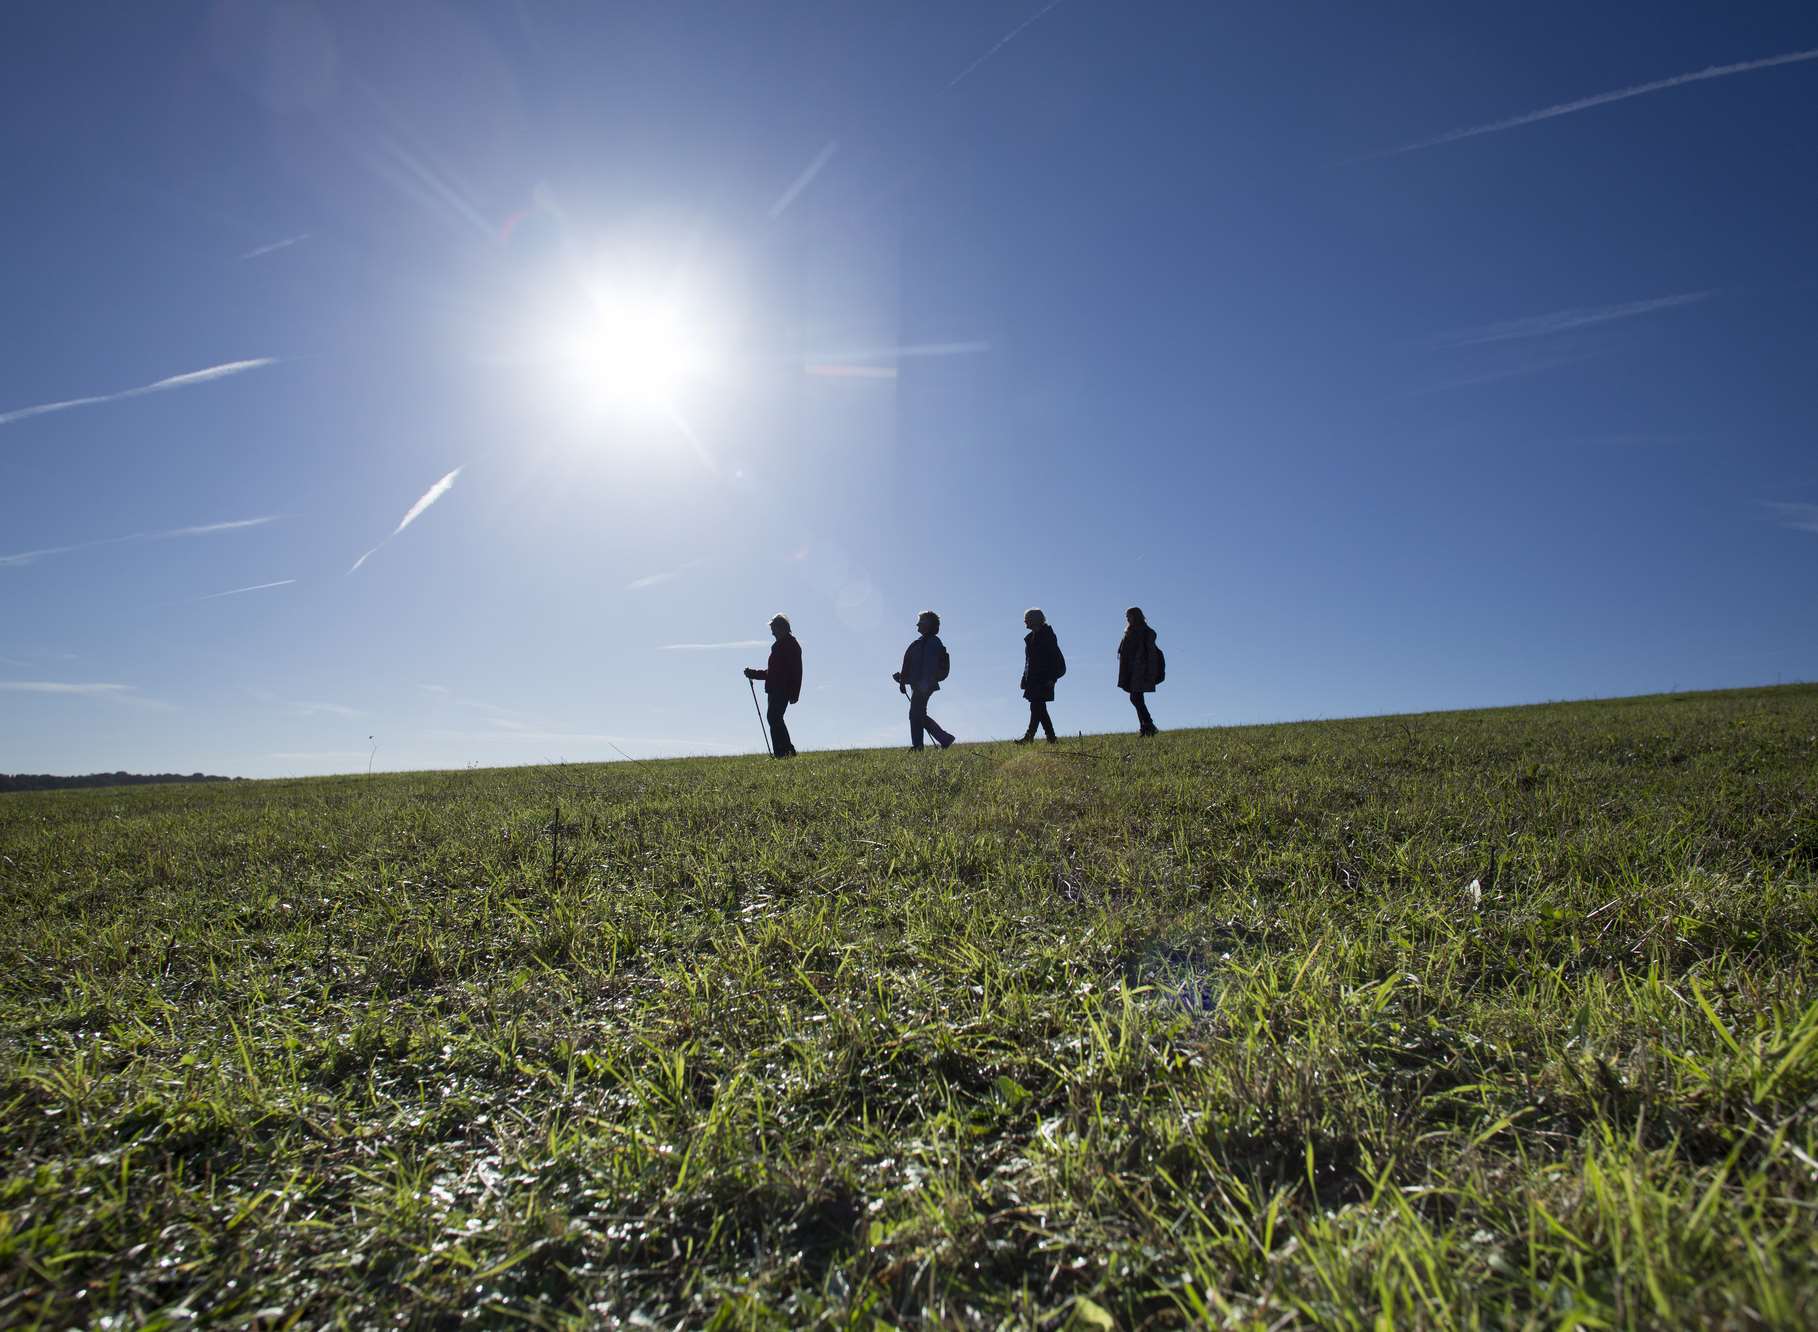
(918,717)
(779,730)
(941,734)
(1146,722)
(1038,712)
(1035,712)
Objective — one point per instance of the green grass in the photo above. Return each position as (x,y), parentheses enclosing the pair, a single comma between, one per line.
(1212,1028)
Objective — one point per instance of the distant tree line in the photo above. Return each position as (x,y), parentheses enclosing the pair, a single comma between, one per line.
(40,781)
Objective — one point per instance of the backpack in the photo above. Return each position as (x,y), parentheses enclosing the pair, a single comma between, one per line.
(1161,665)
(945,665)
(1060,662)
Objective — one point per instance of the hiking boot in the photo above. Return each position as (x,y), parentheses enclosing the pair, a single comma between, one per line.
(947,742)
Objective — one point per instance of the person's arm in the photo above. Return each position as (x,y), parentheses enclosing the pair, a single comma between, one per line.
(793,671)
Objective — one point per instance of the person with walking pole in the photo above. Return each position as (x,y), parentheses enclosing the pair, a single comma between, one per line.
(782,677)
(925,665)
(1140,666)
(1043,664)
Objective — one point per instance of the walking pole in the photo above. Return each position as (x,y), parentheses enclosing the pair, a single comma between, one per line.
(768,747)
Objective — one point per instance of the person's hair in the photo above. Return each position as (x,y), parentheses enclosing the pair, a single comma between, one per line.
(1135,615)
(782,619)
(929,615)
(1036,611)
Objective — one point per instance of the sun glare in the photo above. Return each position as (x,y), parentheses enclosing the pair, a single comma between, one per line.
(634,357)
(640,356)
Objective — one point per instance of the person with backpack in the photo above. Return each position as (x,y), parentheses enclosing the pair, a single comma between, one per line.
(782,677)
(925,665)
(1140,666)
(1043,664)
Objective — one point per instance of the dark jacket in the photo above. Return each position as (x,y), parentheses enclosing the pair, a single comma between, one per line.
(925,664)
(1042,664)
(1138,663)
(783,673)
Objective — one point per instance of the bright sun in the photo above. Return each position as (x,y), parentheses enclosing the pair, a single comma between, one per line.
(635,357)
(642,356)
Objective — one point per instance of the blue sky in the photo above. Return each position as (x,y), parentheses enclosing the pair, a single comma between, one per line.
(1392,357)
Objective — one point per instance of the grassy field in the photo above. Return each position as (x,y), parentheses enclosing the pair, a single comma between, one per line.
(1493,1019)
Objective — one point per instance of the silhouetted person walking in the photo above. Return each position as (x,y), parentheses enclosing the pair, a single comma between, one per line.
(1042,666)
(925,665)
(1140,666)
(782,677)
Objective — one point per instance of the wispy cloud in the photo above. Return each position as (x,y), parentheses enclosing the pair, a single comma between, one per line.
(806,179)
(900,352)
(185,380)
(125,694)
(828,371)
(1604,99)
(205,529)
(428,498)
(305,708)
(666,576)
(60,687)
(710,647)
(1565,321)
(1518,368)
(236,591)
(496,715)
(24,557)
(1799,517)
(1007,38)
(880,362)
(275,246)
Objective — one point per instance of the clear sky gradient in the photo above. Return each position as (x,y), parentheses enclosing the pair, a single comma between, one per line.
(1391,357)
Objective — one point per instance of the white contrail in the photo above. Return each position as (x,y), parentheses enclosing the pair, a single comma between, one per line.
(1007,38)
(430,496)
(205,528)
(33,556)
(806,179)
(1604,99)
(710,647)
(310,709)
(1561,321)
(202,376)
(157,386)
(901,352)
(57,687)
(666,576)
(284,244)
(256,587)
